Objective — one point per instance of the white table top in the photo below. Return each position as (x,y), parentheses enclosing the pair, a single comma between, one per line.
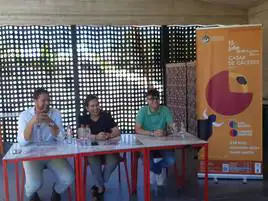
(124,142)
(39,150)
(50,149)
(171,140)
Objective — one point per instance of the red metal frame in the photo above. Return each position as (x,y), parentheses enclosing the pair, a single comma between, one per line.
(146,172)
(78,188)
(1,144)
(183,168)
(22,188)
(17,180)
(16,161)
(79,168)
(146,159)
(123,159)
(82,155)
(5,173)
(134,170)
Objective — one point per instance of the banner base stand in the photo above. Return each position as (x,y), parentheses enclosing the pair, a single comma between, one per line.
(243,177)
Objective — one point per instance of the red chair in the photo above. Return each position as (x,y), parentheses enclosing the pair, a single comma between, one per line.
(22,188)
(123,159)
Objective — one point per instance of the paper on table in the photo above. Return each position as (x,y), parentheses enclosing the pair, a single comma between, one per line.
(123,140)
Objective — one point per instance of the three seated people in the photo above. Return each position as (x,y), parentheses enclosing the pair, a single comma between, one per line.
(42,123)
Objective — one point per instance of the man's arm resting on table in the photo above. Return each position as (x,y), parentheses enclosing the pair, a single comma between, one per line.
(141,131)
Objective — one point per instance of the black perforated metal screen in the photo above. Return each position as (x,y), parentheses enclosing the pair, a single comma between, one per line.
(182,46)
(117,63)
(31,57)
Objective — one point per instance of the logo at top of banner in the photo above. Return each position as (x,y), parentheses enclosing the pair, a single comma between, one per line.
(224,101)
(205,39)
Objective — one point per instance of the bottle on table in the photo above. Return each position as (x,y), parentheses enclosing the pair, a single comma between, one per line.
(81,131)
(87,134)
(174,129)
(69,134)
(182,130)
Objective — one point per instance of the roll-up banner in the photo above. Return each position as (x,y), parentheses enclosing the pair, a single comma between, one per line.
(229,99)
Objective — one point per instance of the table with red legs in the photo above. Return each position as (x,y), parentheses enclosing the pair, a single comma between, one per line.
(34,152)
(124,143)
(166,143)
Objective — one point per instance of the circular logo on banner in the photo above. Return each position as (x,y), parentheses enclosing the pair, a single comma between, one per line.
(233,133)
(233,124)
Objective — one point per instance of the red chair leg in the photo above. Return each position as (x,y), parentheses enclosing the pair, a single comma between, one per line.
(22,185)
(183,168)
(178,179)
(85,177)
(134,171)
(128,182)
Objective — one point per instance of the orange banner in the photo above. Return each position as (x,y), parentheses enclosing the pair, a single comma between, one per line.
(229,95)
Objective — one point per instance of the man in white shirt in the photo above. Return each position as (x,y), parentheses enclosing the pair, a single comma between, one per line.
(42,124)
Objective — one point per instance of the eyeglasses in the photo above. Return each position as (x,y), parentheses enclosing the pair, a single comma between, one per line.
(154,98)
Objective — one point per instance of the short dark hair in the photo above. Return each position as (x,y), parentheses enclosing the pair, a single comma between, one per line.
(38,92)
(89,98)
(153,92)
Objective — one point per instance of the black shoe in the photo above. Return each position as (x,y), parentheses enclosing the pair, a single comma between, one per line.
(55,196)
(161,192)
(102,193)
(95,194)
(94,190)
(35,197)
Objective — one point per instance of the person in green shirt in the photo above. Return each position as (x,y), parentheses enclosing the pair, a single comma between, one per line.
(153,120)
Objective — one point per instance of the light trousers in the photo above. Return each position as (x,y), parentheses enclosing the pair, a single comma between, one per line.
(61,169)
